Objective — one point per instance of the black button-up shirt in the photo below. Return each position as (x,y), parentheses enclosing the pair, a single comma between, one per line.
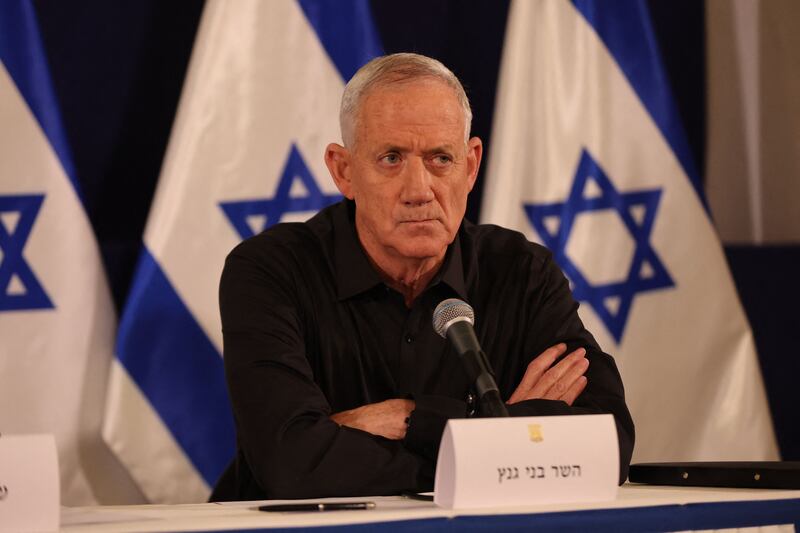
(310,329)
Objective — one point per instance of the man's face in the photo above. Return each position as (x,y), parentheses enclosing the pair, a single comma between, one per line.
(410,170)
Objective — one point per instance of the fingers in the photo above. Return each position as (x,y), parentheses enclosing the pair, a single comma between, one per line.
(390,418)
(386,419)
(535,370)
(562,381)
(559,379)
(575,390)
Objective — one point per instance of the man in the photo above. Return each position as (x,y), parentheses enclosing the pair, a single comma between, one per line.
(339,384)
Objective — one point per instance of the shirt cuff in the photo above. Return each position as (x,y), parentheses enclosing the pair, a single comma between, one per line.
(539,407)
(427,421)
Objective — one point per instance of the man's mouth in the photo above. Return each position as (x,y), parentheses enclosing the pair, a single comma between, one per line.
(419,217)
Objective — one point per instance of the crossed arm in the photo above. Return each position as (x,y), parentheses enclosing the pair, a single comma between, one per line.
(542,380)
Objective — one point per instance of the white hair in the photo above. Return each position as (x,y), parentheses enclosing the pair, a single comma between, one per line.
(395,68)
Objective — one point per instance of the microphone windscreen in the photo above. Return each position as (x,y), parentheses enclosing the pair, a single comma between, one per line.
(450,311)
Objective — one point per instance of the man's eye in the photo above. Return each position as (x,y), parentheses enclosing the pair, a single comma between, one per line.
(391,159)
(442,159)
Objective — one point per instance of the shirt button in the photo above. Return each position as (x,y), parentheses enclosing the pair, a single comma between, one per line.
(409,340)
(472,406)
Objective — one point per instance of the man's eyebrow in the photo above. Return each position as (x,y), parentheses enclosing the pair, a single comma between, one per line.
(397,148)
(392,148)
(446,148)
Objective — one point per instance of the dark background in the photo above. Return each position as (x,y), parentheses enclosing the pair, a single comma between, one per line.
(118,69)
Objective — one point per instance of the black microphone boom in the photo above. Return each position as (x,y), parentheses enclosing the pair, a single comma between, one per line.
(453,319)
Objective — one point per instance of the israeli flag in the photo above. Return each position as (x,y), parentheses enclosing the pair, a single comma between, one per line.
(56,315)
(589,158)
(259,105)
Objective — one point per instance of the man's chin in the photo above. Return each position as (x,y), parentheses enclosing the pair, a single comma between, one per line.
(422,247)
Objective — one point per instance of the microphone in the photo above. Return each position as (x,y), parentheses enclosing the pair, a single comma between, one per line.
(453,319)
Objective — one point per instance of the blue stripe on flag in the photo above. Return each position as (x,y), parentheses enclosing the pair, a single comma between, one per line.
(346,31)
(177,368)
(626,29)
(22,54)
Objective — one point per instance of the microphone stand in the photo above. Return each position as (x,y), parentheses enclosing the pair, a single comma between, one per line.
(490,404)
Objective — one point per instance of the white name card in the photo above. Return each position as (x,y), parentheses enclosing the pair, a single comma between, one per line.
(29,489)
(497,462)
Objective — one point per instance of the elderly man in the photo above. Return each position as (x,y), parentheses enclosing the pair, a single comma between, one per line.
(338,382)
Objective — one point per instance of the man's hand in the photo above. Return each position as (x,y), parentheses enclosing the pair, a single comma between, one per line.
(385,419)
(564,381)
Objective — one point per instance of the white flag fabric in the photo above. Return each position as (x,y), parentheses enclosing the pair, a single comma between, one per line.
(259,105)
(56,315)
(588,157)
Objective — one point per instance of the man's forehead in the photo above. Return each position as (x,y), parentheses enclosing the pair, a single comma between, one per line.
(402,138)
(400,110)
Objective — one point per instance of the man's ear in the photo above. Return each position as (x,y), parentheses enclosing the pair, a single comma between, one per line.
(337,159)
(474,154)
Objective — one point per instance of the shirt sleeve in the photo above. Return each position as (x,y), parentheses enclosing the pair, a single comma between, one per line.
(285,434)
(554,319)
(427,421)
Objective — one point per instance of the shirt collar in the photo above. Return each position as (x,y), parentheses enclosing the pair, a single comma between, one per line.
(355,274)
(452,271)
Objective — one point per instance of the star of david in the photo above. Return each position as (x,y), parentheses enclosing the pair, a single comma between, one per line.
(250,217)
(610,301)
(19,288)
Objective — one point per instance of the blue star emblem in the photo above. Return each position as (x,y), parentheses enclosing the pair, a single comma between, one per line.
(19,288)
(646,271)
(250,217)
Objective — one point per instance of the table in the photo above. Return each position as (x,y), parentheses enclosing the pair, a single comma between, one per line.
(637,508)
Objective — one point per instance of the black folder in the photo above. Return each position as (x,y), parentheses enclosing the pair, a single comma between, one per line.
(747,474)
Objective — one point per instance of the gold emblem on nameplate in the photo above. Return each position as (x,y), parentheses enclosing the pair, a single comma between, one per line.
(535,432)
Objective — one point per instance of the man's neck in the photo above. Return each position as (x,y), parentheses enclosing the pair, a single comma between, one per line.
(410,280)
(408,276)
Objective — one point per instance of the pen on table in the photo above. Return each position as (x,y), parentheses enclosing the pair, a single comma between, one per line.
(300,507)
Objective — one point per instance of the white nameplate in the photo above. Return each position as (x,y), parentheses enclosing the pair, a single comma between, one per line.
(494,462)
(29,489)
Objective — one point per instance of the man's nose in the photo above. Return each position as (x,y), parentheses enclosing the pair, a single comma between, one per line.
(417,183)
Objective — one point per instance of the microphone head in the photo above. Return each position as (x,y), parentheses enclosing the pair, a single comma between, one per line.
(449,312)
